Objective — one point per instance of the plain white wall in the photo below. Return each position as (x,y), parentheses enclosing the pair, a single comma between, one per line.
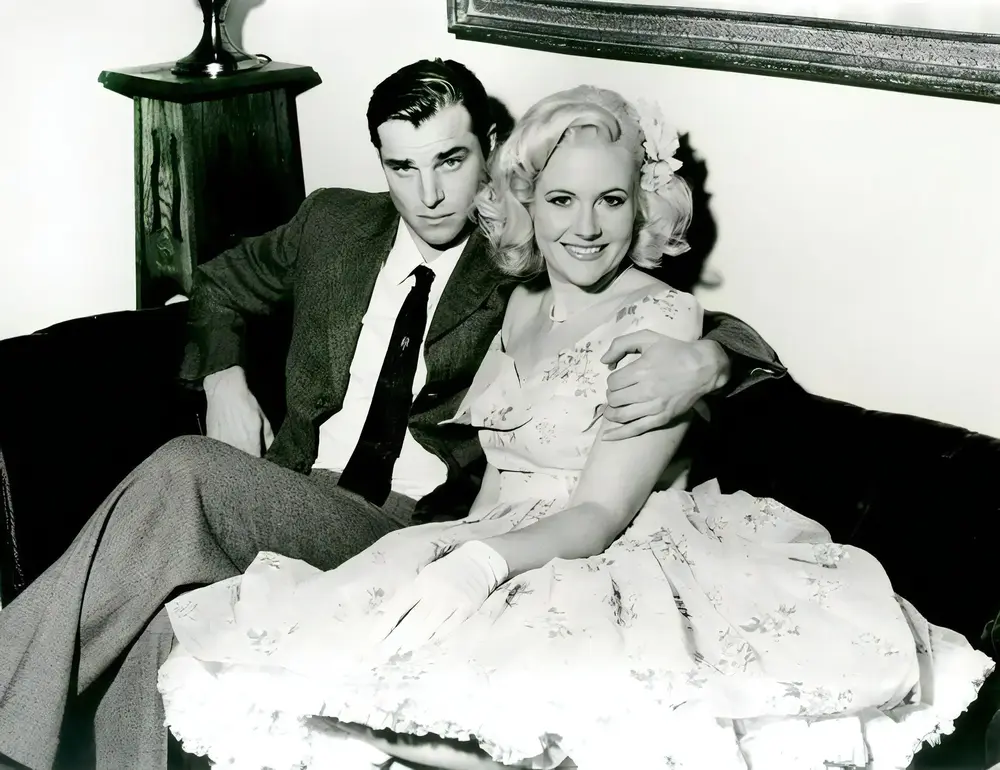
(856,227)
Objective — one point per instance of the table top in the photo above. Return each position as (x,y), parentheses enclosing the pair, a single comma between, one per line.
(156,81)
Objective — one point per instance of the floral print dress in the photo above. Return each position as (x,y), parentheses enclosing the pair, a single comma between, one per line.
(718,631)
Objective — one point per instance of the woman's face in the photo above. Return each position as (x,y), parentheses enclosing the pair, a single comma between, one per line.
(584,210)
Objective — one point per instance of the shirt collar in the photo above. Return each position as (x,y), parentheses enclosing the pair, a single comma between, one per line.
(404,257)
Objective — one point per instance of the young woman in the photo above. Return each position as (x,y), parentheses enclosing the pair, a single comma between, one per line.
(574,612)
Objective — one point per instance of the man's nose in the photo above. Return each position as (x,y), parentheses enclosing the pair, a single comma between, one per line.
(431,193)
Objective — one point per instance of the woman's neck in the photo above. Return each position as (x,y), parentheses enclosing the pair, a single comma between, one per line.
(568,299)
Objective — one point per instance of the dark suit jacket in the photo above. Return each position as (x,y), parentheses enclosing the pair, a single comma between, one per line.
(325,262)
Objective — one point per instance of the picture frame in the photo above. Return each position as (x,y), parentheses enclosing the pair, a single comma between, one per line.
(944,63)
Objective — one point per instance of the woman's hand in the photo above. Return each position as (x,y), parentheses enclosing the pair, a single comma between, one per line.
(444,594)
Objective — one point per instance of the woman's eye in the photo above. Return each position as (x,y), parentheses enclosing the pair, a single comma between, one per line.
(614,201)
(560,200)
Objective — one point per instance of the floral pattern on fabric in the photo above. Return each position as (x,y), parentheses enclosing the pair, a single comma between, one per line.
(727,622)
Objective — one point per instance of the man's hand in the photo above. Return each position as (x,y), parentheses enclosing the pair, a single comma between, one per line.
(665,382)
(445,594)
(233,414)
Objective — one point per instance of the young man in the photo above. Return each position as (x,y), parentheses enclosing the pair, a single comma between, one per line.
(395,303)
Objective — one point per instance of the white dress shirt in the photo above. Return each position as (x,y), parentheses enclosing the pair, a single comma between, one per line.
(417,471)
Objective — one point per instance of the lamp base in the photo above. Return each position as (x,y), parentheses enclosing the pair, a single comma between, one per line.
(192,66)
(216,54)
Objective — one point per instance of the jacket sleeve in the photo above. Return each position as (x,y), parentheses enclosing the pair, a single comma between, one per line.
(249,279)
(751,359)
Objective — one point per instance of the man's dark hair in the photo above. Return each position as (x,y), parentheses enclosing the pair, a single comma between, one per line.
(420,90)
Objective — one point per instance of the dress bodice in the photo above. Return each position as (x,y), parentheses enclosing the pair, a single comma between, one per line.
(537,423)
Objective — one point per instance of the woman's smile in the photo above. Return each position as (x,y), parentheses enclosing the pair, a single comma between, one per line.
(584,253)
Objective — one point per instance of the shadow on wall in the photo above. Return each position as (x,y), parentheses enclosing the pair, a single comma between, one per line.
(687,271)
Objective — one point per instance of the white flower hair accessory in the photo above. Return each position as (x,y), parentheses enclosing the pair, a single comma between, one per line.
(661,144)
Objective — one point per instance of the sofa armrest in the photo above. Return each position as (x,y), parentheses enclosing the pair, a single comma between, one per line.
(81,404)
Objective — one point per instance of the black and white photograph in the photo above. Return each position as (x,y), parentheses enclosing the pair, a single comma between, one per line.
(486,384)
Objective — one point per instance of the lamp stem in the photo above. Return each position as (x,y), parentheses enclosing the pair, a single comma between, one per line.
(216,54)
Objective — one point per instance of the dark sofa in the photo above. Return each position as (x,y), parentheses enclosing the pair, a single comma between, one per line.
(83,402)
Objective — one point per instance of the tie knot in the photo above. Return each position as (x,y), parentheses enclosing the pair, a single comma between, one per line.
(424,276)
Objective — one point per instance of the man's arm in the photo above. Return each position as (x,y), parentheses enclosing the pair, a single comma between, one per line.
(249,279)
(749,359)
(671,376)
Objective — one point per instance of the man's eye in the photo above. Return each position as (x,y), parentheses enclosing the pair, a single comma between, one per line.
(452,163)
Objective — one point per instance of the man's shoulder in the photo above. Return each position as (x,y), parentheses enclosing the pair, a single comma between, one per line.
(343,215)
(344,200)
(335,195)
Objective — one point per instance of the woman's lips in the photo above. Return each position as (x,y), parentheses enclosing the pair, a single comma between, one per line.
(585,253)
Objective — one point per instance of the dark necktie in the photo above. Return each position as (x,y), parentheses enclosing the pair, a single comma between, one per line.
(369,471)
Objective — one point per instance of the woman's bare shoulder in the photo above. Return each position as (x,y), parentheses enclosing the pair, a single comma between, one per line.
(521,307)
(634,282)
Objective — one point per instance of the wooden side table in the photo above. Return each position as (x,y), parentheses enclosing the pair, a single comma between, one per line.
(216,160)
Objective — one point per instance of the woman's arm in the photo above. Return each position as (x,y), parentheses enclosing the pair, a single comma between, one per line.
(489,492)
(249,279)
(616,482)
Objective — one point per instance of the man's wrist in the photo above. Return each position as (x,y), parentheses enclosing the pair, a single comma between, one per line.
(715,359)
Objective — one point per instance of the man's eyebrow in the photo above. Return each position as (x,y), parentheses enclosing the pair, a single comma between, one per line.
(449,153)
(457,150)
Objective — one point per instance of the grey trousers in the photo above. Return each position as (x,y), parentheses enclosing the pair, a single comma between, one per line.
(81,646)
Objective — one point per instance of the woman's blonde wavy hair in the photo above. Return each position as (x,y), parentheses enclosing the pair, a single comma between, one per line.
(504,204)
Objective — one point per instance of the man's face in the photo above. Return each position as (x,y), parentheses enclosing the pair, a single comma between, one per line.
(433,171)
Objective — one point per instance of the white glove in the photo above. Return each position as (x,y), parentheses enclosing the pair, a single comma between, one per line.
(445,593)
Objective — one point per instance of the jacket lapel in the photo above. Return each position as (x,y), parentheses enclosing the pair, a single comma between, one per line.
(352,283)
(358,264)
(475,277)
